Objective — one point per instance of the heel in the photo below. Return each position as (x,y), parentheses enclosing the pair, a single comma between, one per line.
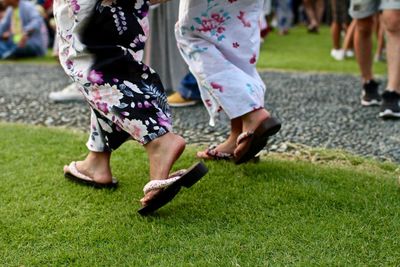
(272,126)
(194,174)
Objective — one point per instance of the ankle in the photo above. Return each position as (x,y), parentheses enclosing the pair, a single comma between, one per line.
(256,115)
(162,153)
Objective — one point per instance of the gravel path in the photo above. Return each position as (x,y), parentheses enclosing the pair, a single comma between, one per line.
(318,110)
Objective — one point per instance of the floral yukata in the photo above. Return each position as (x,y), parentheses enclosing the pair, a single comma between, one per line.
(101,49)
(220,41)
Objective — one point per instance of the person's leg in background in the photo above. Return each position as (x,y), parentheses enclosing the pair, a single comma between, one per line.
(164,56)
(391,96)
(319,10)
(336,28)
(348,42)
(284,15)
(7,48)
(363,13)
(380,54)
(313,20)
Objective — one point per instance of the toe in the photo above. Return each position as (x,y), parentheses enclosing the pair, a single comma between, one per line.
(202,155)
(66,169)
(149,196)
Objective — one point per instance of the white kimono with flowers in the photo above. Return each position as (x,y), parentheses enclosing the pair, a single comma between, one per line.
(220,41)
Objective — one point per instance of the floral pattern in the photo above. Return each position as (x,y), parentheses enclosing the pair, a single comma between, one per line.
(104,56)
(220,39)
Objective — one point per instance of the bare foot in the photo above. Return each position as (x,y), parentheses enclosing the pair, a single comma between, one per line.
(230,144)
(162,152)
(96,166)
(227,147)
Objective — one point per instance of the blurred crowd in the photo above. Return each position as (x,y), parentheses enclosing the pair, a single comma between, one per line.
(284,14)
(27,28)
(279,14)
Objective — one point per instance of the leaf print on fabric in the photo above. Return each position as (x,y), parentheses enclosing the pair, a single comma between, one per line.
(123,105)
(144,23)
(133,87)
(125,90)
(105,126)
(250,88)
(160,99)
(196,50)
(163,120)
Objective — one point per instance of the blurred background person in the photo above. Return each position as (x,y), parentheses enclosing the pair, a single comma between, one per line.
(315,11)
(22,30)
(162,54)
(284,15)
(2,10)
(380,53)
(340,23)
(363,12)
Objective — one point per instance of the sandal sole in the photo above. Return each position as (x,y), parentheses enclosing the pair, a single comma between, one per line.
(259,140)
(73,178)
(192,176)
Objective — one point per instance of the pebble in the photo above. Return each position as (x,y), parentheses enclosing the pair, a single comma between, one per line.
(317,110)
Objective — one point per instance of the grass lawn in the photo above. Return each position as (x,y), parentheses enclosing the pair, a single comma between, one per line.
(47,59)
(301,51)
(279,212)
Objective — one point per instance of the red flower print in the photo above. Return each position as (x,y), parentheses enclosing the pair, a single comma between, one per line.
(253,59)
(217,86)
(214,23)
(208,103)
(235,45)
(246,23)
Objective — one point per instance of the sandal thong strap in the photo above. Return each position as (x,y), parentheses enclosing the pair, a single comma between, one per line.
(212,152)
(243,136)
(160,184)
(74,171)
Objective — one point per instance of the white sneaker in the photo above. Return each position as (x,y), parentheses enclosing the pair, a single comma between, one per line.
(337,54)
(349,53)
(69,93)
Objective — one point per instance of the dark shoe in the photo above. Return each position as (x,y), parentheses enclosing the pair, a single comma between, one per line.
(171,187)
(255,141)
(370,95)
(390,108)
